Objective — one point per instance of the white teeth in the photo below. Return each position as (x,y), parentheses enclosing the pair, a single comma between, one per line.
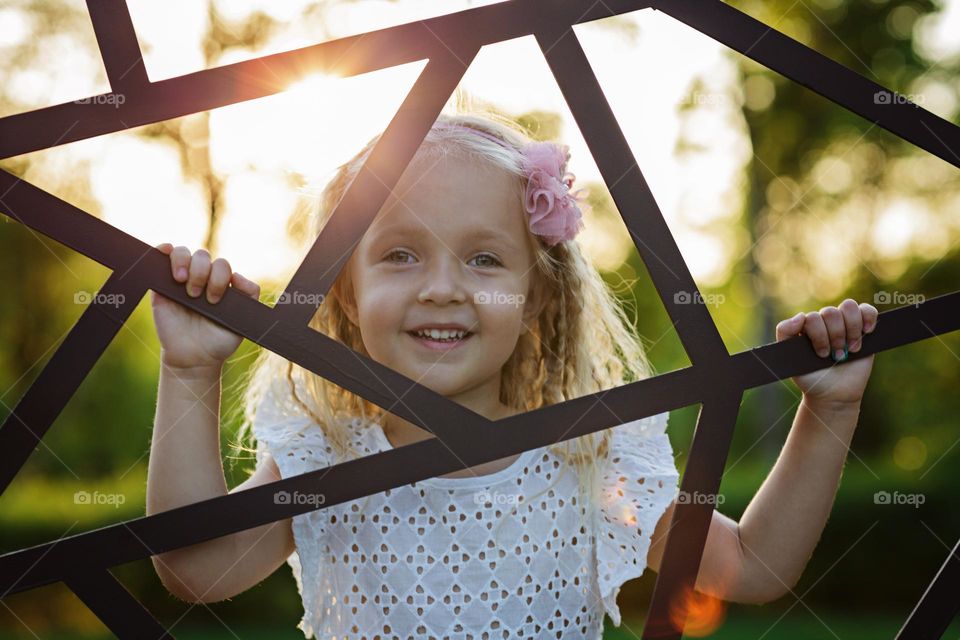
(436,334)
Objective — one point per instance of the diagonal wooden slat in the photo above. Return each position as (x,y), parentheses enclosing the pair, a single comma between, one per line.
(813,70)
(632,195)
(33,415)
(118,44)
(115,606)
(149,268)
(691,519)
(938,605)
(238,82)
(373,184)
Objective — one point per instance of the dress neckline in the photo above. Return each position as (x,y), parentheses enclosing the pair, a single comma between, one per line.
(510,471)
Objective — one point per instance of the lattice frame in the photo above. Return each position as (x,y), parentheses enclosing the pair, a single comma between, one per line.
(715,379)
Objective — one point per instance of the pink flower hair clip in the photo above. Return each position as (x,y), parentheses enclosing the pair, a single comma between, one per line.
(554,210)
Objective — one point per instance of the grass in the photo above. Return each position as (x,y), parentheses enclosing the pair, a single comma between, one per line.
(798,625)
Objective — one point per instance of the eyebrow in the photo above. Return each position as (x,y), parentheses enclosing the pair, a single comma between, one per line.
(491,234)
(482,233)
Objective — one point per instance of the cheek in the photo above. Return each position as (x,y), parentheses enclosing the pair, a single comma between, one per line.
(379,306)
(380,319)
(502,320)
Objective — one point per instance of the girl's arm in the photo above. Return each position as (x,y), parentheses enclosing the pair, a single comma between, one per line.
(762,557)
(185,464)
(782,524)
(185,467)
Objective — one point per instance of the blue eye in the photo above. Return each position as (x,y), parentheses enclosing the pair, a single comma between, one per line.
(395,252)
(495,262)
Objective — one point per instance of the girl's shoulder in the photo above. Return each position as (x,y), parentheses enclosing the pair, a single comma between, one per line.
(296,440)
(643,446)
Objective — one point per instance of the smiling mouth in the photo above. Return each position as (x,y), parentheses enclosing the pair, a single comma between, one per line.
(440,343)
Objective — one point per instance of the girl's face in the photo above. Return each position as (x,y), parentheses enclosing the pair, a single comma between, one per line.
(448,247)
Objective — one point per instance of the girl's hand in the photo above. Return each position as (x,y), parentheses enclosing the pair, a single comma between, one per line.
(831,330)
(187,339)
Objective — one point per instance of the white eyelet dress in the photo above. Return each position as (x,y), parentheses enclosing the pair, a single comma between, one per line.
(427,560)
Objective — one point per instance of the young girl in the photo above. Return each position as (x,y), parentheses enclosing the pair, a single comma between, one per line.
(470,281)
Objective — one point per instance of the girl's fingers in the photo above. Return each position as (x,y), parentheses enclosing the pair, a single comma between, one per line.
(219,279)
(790,327)
(199,272)
(816,330)
(180,263)
(836,329)
(853,322)
(248,287)
(832,327)
(870,317)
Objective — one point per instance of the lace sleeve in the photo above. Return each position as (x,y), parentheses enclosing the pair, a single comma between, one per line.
(298,445)
(288,434)
(638,482)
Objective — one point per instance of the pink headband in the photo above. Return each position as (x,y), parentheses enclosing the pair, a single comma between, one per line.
(554,212)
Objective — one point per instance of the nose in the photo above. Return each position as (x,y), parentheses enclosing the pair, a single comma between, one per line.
(443,282)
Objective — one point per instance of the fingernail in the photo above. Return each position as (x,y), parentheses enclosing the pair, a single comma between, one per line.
(856,345)
(181,273)
(841,354)
(193,291)
(823,353)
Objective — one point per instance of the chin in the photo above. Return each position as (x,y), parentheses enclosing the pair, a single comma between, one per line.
(440,384)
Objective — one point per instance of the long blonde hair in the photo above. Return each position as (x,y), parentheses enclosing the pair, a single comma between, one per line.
(580,344)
